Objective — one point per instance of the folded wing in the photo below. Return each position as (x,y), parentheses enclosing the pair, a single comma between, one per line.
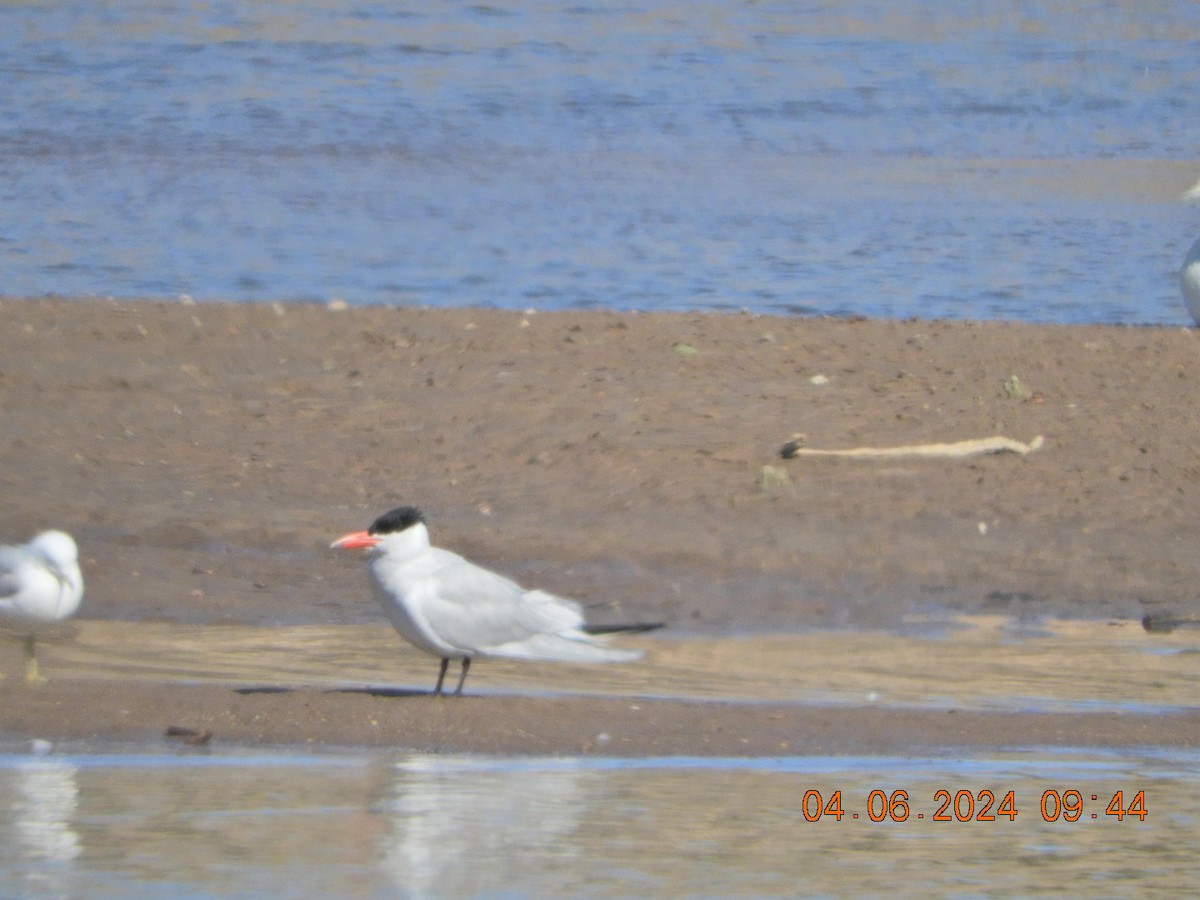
(483,613)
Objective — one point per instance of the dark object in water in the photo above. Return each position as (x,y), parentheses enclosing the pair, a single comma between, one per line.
(1165,623)
(191,736)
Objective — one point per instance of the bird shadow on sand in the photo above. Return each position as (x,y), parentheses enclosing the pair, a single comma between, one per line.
(369,691)
(383,692)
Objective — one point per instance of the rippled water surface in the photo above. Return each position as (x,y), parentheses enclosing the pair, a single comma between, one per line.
(375,825)
(865,157)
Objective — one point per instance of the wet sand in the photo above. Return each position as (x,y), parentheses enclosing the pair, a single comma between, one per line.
(101,713)
(974,683)
(205,455)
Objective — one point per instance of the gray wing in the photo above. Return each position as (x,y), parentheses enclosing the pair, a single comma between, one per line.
(478,609)
(10,561)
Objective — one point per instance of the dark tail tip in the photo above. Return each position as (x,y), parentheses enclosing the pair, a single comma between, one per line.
(623,629)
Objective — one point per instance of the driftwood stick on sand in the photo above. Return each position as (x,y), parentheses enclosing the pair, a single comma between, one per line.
(977,447)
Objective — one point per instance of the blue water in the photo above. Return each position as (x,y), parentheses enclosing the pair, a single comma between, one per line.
(913,158)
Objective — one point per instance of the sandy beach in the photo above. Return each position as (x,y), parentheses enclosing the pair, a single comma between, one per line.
(204,456)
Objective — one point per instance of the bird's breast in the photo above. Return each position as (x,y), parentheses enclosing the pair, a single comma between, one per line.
(405,599)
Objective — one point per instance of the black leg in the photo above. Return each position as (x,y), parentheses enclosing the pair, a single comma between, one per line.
(437,691)
(466,664)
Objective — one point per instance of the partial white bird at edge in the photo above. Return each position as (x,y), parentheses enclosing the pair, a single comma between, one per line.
(40,584)
(1189,273)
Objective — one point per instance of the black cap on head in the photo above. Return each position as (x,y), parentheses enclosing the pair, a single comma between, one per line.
(397,520)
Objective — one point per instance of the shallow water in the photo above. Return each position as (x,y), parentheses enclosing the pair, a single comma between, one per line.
(102,820)
(376,825)
(968,663)
(866,157)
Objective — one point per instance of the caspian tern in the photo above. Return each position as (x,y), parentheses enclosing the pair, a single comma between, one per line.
(40,583)
(454,609)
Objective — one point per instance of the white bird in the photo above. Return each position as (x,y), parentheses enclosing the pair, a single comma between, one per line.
(454,609)
(1189,274)
(1189,281)
(40,584)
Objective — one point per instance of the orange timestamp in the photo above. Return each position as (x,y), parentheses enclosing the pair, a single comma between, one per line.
(976,806)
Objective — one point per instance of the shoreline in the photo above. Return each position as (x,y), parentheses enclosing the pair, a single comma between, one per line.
(365,718)
(205,455)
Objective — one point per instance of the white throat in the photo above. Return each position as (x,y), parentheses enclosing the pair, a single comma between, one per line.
(403,545)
